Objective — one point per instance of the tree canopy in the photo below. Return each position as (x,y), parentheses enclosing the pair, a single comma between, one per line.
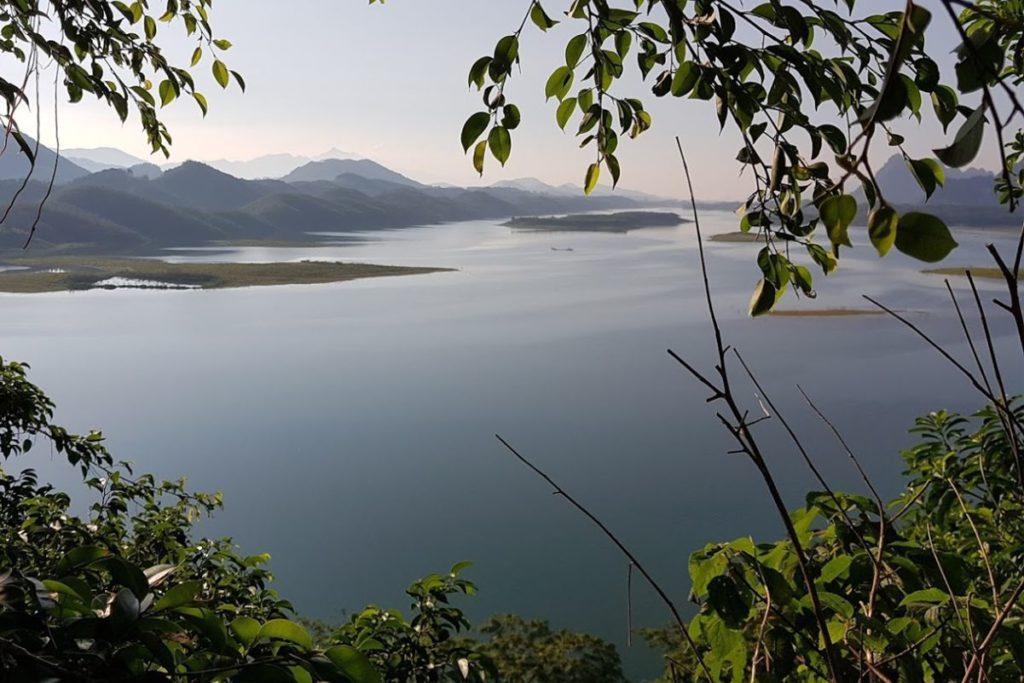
(811,88)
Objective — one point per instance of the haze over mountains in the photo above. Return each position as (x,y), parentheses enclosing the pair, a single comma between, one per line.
(132,206)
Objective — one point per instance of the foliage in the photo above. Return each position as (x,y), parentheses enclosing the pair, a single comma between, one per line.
(526,651)
(110,49)
(123,592)
(808,88)
(924,588)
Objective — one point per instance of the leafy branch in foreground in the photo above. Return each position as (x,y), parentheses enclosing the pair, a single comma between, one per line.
(123,592)
(809,89)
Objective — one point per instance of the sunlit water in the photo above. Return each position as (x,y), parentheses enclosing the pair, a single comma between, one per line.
(351,426)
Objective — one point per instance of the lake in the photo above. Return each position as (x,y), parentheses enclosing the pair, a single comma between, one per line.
(351,426)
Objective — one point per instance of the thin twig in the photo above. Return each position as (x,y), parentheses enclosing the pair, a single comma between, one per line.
(676,616)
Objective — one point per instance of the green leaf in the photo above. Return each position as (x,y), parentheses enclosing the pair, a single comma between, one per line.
(590,181)
(728,601)
(179,596)
(288,631)
(565,111)
(613,168)
(167,93)
(574,50)
(246,630)
(197,55)
(924,237)
(967,142)
(353,664)
(882,228)
(511,117)
(928,596)
(201,101)
(540,18)
(479,154)
(684,79)
(150,28)
(763,299)
(837,213)
(835,568)
(559,83)
(220,73)
(500,143)
(928,173)
(474,128)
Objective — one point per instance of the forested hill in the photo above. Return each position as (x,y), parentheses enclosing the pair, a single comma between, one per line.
(127,211)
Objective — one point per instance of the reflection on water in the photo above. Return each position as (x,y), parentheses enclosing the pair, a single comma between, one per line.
(351,425)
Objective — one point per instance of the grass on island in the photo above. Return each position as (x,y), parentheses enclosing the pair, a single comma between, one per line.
(979,273)
(826,312)
(743,237)
(77,273)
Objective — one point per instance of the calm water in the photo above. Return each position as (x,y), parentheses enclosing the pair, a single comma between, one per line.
(351,426)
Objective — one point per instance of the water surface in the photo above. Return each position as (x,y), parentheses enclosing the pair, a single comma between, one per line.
(351,426)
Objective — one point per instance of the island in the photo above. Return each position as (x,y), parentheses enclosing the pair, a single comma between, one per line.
(69,273)
(621,222)
(739,237)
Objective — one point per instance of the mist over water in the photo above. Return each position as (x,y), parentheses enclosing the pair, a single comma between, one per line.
(351,426)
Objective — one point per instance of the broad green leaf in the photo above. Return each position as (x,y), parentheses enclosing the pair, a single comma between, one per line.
(763,299)
(167,93)
(924,237)
(565,111)
(353,664)
(500,143)
(179,596)
(928,596)
(559,83)
(474,127)
(479,154)
(246,630)
(201,101)
(837,213)
(540,18)
(593,175)
(684,79)
(289,631)
(882,228)
(967,142)
(574,50)
(220,73)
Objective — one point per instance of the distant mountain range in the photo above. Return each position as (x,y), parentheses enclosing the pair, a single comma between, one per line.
(968,197)
(141,208)
(266,166)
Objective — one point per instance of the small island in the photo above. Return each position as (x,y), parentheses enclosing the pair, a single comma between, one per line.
(620,222)
(69,273)
(737,237)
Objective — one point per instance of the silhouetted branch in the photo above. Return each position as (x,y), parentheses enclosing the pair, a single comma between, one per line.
(680,624)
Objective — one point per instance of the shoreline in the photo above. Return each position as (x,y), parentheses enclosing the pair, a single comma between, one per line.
(71,273)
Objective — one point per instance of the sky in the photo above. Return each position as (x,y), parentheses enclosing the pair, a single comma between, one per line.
(388,82)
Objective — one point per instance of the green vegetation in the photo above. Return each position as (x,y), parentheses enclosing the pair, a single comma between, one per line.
(71,273)
(623,221)
(917,588)
(109,582)
(810,90)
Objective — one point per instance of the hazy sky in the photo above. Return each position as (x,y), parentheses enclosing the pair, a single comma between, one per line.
(389,82)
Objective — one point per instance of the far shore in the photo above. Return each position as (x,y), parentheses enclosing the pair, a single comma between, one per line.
(986,273)
(738,237)
(825,312)
(70,273)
